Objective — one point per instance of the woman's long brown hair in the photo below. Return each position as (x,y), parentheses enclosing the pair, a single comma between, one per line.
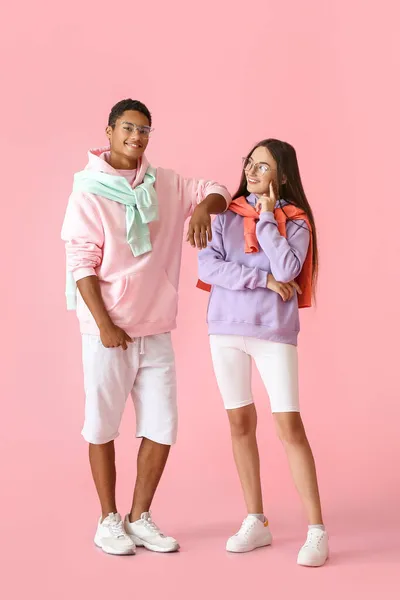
(292,190)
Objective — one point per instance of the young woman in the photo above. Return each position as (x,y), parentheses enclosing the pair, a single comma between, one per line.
(261,266)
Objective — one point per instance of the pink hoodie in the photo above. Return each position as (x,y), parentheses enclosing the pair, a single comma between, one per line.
(140,293)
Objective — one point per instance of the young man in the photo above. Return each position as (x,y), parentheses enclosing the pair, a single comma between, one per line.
(123,231)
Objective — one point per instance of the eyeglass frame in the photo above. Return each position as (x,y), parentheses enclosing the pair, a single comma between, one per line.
(248,158)
(138,127)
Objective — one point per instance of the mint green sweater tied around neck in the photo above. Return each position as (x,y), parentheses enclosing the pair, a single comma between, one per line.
(141,208)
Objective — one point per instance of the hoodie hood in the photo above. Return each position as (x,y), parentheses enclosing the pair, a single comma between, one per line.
(99,160)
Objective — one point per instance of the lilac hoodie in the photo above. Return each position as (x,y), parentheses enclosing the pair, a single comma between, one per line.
(240,303)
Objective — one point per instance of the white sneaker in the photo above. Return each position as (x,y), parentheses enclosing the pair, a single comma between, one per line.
(315,551)
(252,534)
(111,536)
(145,532)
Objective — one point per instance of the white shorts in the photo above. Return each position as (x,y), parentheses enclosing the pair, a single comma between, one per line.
(277,364)
(146,370)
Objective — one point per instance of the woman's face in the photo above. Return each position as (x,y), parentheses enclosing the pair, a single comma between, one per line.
(260,170)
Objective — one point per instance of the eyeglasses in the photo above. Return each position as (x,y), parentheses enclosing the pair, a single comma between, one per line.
(260,168)
(143,130)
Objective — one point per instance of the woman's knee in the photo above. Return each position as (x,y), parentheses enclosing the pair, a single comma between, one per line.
(243,421)
(290,428)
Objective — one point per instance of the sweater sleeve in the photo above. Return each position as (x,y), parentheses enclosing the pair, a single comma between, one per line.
(82,232)
(194,191)
(216,270)
(286,255)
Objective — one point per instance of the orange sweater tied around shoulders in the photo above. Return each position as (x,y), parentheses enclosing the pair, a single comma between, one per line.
(240,206)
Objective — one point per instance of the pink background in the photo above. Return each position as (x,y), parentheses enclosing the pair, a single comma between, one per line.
(218,76)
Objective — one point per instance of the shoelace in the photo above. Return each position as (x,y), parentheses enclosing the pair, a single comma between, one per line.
(314,538)
(151,526)
(245,528)
(117,528)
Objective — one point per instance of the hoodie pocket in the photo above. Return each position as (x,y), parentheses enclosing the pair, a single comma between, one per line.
(112,293)
(146,297)
(163,304)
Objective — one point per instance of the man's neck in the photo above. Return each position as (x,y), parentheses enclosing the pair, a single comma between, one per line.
(122,163)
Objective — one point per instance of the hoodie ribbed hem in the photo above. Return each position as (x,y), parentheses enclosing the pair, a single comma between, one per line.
(282,336)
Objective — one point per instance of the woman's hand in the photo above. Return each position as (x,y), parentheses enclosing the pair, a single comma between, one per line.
(285,290)
(267,202)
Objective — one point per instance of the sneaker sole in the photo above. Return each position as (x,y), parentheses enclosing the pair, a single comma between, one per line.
(112,551)
(312,565)
(242,551)
(141,543)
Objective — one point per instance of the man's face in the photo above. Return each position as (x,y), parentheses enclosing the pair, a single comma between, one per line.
(130,135)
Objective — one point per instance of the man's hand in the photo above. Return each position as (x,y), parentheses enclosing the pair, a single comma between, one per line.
(285,290)
(200,227)
(113,337)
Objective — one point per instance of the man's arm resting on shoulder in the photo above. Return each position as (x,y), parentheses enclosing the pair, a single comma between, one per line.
(199,231)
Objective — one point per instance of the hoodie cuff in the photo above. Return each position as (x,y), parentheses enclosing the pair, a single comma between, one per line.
(83,272)
(222,191)
(261,279)
(268,217)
